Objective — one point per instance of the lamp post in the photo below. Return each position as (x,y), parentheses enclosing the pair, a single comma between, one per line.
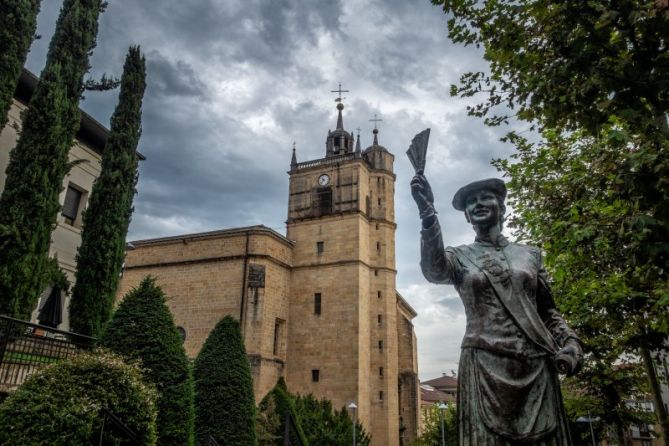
(353,407)
(441,408)
(589,420)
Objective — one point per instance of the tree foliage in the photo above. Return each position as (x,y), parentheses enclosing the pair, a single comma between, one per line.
(224,401)
(569,63)
(18,21)
(61,405)
(105,222)
(29,203)
(432,433)
(143,329)
(277,405)
(324,425)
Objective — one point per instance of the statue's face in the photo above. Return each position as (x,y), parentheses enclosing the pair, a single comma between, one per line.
(483,208)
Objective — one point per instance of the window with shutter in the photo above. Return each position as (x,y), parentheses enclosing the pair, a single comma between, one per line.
(71,204)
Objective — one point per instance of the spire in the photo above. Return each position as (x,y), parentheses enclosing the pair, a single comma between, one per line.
(376,139)
(340,121)
(293,161)
(358,151)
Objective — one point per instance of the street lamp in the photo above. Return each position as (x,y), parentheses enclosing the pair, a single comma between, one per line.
(589,420)
(353,408)
(442,407)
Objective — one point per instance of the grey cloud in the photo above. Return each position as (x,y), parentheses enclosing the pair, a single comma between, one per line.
(173,78)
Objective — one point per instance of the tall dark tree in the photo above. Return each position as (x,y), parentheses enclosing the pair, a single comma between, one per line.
(224,402)
(276,407)
(18,20)
(29,204)
(105,222)
(599,71)
(143,328)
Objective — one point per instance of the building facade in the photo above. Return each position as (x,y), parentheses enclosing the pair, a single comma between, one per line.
(319,306)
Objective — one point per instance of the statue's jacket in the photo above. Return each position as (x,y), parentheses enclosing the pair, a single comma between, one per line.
(513,332)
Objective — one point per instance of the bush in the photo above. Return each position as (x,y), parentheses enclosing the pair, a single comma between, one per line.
(142,328)
(224,402)
(274,406)
(323,425)
(61,404)
(432,430)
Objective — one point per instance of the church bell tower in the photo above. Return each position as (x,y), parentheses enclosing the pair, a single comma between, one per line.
(343,305)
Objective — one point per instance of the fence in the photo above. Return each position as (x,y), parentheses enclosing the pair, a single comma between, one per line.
(25,347)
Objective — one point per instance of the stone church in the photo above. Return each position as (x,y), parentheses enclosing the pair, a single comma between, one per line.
(317,306)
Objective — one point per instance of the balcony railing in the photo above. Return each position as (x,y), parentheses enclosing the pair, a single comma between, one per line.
(26,347)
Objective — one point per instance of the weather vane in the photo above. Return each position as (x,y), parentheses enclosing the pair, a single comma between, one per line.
(339,91)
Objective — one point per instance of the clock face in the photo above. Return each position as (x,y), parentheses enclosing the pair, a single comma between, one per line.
(324,180)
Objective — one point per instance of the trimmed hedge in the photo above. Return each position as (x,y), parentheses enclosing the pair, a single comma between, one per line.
(61,404)
(142,328)
(224,402)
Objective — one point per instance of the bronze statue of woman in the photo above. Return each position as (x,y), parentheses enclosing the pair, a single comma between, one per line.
(515,341)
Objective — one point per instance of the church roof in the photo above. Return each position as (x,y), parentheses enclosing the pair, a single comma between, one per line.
(257,229)
(375,145)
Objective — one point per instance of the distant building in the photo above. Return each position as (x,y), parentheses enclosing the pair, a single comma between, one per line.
(434,391)
(318,306)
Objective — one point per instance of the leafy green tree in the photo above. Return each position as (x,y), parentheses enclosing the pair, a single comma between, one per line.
(277,404)
(570,63)
(29,203)
(593,78)
(62,404)
(323,425)
(105,222)
(570,196)
(17,29)
(431,435)
(224,401)
(143,329)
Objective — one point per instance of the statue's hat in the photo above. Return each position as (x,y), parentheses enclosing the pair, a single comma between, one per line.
(494,184)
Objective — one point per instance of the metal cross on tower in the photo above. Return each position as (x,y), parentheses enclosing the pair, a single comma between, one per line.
(339,91)
(375,120)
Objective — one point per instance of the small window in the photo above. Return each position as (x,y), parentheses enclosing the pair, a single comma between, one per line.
(379,200)
(381,372)
(317,304)
(278,332)
(378,294)
(72,204)
(377,226)
(380,345)
(320,247)
(376,272)
(315,375)
(379,318)
(378,246)
(380,395)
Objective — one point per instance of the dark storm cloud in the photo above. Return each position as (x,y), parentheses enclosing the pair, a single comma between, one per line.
(231,85)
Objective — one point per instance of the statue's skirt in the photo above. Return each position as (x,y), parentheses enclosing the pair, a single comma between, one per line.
(505,400)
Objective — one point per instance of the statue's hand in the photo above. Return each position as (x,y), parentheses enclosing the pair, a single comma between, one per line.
(422,195)
(569,359)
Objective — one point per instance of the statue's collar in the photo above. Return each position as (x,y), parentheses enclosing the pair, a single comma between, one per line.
(501,241)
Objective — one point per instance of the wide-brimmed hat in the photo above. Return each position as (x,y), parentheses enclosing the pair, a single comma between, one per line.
(494,184)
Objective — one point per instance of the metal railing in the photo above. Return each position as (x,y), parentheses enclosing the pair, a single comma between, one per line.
(26,347)
(325,161)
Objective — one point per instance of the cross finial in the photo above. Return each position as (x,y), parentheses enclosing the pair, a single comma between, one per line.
(358,129)
(375,120)
(339,91)
(294,145)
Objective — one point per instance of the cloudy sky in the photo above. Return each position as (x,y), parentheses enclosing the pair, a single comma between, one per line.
(233,83)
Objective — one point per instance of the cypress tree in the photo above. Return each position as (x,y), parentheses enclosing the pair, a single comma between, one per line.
(143,328)
(105,222)
(224,403)
(18,19)
(29,204)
